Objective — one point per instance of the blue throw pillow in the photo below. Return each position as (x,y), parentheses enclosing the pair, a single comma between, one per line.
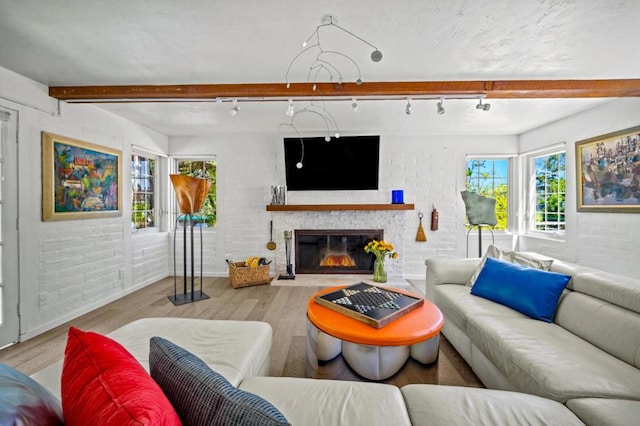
(202,397)
(531,291)
(23,401)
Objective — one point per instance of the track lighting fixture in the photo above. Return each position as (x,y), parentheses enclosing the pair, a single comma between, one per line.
(484,107)
(440,108)
(290,109)
(235,109)
(326,61)
(409,109)
(354,104)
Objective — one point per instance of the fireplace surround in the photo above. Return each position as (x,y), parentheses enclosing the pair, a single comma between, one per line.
(334,251)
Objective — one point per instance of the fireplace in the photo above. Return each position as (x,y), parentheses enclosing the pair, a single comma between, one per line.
(334,251)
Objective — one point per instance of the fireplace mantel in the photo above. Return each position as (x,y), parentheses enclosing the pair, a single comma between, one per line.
(335,207)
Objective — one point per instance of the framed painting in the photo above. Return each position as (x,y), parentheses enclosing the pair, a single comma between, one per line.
(608,172)
(80,180)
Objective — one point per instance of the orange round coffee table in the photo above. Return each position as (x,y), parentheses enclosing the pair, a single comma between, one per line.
(373,353)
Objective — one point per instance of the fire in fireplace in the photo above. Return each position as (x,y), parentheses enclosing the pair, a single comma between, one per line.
(337,260)
(334,251)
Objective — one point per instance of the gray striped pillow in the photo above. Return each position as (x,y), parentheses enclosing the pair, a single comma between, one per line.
(202,397)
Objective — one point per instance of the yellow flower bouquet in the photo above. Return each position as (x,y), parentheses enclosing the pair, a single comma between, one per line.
(381,250)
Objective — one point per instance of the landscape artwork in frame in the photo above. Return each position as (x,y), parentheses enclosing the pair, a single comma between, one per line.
(608,172)
(80,180)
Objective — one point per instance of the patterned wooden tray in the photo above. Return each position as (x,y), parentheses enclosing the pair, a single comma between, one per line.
(373,305)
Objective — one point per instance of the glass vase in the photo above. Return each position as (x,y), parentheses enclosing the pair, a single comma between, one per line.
(379,273)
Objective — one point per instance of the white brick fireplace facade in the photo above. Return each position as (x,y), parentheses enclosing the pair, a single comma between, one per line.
(392,222)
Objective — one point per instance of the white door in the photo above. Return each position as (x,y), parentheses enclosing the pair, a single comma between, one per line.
(9,295)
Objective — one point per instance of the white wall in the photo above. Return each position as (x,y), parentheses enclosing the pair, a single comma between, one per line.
(608,241)
(68,268)
(430,169)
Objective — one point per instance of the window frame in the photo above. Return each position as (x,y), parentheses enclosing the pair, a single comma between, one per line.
(157,190)
(531,194)
(511,179)
(173,204)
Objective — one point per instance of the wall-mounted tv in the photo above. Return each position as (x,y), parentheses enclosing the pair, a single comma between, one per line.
(345,163)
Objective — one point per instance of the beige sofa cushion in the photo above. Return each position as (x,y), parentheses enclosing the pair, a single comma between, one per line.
(610,412)
(519,258)
(617,289)
(458,304)
(547,360)
(433,405)
(312,402)
(613,329)
(235,349)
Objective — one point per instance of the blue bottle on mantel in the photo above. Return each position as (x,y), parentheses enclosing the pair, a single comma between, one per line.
(397,196)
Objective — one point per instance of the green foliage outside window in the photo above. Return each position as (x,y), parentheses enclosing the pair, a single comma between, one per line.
(143,172)
(490,179)
(205,169)
(550,174)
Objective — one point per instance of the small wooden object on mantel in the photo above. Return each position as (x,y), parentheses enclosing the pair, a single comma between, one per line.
(373,305)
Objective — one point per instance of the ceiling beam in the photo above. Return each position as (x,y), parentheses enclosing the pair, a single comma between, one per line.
(269,91)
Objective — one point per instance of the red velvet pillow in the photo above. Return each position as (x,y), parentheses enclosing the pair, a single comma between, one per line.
(103,384)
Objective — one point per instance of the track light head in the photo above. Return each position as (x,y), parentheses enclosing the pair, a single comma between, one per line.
(440,108)
(376,56)
(484,107)
(290,110)
(409,109)
(234,111)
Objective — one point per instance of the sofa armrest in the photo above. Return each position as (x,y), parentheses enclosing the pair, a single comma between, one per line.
(443,270)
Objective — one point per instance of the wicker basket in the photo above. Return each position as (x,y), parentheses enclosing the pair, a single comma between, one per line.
(240,275)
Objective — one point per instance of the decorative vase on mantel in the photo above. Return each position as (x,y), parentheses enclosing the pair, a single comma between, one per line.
(379,273)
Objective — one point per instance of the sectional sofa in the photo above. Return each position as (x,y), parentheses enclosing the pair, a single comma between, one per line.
(581,367)
(587,358)
(240,351)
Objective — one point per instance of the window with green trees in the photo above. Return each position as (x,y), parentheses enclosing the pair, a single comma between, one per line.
(550,186)
(490,177)
(143,192)
(205,169)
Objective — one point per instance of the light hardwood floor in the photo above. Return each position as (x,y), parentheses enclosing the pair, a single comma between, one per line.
(282,307)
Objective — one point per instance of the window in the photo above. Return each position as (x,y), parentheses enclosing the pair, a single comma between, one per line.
(143,191)
(206,169)
(490,177)
(550,186)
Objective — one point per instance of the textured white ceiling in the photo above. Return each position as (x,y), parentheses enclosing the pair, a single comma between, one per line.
(91,42)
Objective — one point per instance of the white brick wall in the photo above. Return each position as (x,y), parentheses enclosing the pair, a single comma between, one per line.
(607,241)
(80,263)
(430,169)
(68,268)
(150,257)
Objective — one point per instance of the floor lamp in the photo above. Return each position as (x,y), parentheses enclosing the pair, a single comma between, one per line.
(190,194)
(481,211)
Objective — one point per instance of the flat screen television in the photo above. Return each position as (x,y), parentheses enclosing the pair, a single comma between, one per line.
(345,163)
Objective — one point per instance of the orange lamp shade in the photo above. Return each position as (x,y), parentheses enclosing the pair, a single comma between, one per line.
(190,192)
